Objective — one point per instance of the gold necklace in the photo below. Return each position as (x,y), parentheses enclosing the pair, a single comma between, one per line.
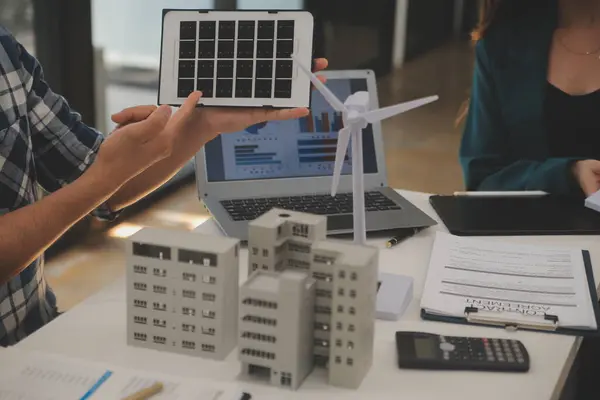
(579,53)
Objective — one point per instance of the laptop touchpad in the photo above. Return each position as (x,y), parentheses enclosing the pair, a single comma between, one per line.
(339,222)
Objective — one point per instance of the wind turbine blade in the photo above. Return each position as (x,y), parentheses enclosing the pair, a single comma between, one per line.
(387,112)
(327,94)
(340,155)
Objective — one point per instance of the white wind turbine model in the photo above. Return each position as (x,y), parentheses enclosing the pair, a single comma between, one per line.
(357,116)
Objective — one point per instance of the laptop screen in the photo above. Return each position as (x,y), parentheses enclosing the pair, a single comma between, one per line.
(289,149)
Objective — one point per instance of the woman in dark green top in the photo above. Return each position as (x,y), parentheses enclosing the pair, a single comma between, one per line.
(533,119)
(534,116)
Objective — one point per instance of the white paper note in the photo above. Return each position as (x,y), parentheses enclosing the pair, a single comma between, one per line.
(49,378)
(126,384)
(518,280)
(593,202)
(39,376)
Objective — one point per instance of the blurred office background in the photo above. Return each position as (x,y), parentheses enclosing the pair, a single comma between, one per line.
(103,56)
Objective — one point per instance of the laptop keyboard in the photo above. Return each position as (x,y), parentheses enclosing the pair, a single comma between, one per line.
(321,204)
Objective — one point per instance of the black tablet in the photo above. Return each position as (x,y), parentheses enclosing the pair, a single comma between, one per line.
(515,216)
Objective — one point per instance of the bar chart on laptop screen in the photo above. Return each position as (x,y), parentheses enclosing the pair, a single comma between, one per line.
(257,152)
(317,140)
(322,123)
(293,148)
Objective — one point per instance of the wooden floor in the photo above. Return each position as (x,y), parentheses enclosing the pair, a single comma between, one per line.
(421,150)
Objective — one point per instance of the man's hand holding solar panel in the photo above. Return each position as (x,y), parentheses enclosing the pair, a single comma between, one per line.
(191,127)
(164,149)
(209,122)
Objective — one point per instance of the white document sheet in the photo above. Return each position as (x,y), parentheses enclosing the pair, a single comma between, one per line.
(593,202)
(39,376)
(127,383)
(45,378)
(512,281)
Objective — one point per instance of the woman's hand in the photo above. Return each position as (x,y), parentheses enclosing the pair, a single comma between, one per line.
(587,173)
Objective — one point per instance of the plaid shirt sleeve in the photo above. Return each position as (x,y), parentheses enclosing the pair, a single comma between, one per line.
(63,146)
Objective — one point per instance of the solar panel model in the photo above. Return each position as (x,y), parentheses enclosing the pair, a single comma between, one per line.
(236,58)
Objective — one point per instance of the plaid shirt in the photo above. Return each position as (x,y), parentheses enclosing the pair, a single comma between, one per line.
(43,143)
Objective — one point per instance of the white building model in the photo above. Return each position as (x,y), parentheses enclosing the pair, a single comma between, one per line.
(182,292)
(307,300)
(343,318)
(276,326)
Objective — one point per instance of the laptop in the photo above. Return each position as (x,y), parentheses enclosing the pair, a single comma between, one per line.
(289,165)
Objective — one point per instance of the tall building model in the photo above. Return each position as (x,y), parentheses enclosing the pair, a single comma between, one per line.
(343,317)
(307,301)
(275,326)
(182,292)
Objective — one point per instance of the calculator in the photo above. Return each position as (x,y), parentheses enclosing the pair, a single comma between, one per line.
(419,350)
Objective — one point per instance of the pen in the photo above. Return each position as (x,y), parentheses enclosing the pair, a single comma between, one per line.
(146,393)
(527,193)
(398,238)
(394,241)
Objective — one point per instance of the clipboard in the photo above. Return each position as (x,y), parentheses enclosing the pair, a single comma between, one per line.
(547,323)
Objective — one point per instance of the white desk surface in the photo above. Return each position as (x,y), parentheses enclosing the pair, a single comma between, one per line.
(95,330)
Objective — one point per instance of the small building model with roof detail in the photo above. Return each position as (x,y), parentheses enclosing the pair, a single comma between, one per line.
(182,292)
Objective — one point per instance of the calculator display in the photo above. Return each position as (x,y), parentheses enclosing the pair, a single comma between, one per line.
(425,348)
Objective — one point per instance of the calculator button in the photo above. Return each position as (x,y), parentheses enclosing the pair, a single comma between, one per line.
(518,353)
(516,349)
